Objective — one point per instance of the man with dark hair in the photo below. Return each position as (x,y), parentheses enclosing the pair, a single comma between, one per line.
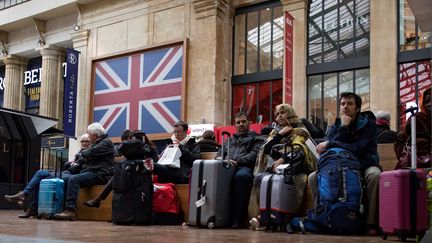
(190,152)
(356,133)
(243,150)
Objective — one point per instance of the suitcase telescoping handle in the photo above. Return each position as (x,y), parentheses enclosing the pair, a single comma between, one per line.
(412,110)
(226,162)
(288,178)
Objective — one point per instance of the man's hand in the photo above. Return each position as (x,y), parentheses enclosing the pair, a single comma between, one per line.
(321,147)
(277,163)
(233,162)
(346,120)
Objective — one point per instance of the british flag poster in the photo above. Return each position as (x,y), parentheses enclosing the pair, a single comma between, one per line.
(139,91)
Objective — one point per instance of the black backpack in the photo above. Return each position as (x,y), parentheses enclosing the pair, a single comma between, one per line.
(132,200)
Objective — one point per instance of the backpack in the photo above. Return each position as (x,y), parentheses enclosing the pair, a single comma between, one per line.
(338,208)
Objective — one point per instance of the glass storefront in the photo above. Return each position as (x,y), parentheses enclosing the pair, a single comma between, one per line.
(410,35)
(338,56)
(258,59)
(257,99)
(324,90)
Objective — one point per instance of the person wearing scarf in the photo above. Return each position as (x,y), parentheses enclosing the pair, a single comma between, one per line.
(190,152)
(423,135)
(289,129)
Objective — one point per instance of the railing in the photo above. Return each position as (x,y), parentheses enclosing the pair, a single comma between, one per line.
(10,3)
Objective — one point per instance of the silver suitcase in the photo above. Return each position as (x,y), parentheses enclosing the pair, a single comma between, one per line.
(210,193)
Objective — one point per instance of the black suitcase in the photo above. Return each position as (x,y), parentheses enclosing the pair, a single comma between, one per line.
(132,200)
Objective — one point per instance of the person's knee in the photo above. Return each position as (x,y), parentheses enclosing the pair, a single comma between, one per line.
(312,178)
(243,176)
(372,175)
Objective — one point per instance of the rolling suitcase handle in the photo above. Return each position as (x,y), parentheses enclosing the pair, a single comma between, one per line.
(412,110)
(288,179)
(226,162)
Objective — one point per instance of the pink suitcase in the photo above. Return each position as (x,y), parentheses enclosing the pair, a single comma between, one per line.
(402,203)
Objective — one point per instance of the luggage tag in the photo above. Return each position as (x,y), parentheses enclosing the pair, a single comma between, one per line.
(202,200)
(280,168)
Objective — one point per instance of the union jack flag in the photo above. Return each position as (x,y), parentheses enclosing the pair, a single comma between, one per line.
(140,91)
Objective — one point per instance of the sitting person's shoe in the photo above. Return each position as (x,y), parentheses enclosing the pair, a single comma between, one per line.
(372,230)
(31,212)
(15,199)
(68,214)
(254,224)
(94,203)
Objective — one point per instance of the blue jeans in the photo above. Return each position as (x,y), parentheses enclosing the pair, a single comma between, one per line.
(84,179)
(242,186)
(33,185)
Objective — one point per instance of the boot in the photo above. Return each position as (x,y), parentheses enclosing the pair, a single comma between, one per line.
(15,199)
(95,202)
(31,212)
(68,214)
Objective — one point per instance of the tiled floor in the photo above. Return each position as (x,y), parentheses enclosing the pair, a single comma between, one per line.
(13,229)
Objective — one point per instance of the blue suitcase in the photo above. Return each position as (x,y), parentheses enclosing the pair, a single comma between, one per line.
(51,197)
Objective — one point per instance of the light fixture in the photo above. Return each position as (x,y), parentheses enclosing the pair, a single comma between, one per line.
(40,42)
(3,52)
(76,27)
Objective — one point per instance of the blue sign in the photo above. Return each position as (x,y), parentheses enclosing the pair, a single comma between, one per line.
(70,93)
(32,82)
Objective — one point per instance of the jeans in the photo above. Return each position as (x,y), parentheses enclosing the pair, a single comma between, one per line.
(33,185)
(84,179)
(241,189)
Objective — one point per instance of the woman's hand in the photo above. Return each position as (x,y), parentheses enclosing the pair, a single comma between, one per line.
(277,163)
(285,130)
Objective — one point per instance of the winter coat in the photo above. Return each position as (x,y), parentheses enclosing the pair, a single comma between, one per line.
(98,158)
(359,138)
(244,148)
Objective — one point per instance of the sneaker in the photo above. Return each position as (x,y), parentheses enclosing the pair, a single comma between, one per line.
(254,224)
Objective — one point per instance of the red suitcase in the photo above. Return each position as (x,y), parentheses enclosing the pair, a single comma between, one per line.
(402,203)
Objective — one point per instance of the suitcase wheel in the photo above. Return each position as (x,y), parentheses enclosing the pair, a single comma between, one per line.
(211,222)
(382,234)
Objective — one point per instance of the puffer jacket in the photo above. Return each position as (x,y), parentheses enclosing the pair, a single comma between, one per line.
(243,148)
(99,158)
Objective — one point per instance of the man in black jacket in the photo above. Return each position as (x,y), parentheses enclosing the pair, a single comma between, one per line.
(96,163)
(243,150)
(190,152)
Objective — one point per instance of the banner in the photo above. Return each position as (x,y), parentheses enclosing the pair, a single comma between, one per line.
(70,93)
(288,53)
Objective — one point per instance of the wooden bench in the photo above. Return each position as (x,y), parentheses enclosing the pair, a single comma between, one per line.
(103,213)
(387,156)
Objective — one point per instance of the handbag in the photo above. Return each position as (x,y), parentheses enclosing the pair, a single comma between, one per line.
(423,155)
(171,157)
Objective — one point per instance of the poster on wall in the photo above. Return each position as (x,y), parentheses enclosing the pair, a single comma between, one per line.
(288,53)
(141,90)
(32,83)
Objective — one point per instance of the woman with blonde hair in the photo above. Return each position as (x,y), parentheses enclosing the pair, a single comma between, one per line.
(289,129)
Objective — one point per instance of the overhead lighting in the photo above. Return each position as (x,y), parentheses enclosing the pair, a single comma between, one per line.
(76,27)
(40,42)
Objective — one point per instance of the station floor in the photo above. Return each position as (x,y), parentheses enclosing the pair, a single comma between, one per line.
(13,229)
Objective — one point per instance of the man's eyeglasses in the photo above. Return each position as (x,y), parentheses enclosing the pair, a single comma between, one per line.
(85,141)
